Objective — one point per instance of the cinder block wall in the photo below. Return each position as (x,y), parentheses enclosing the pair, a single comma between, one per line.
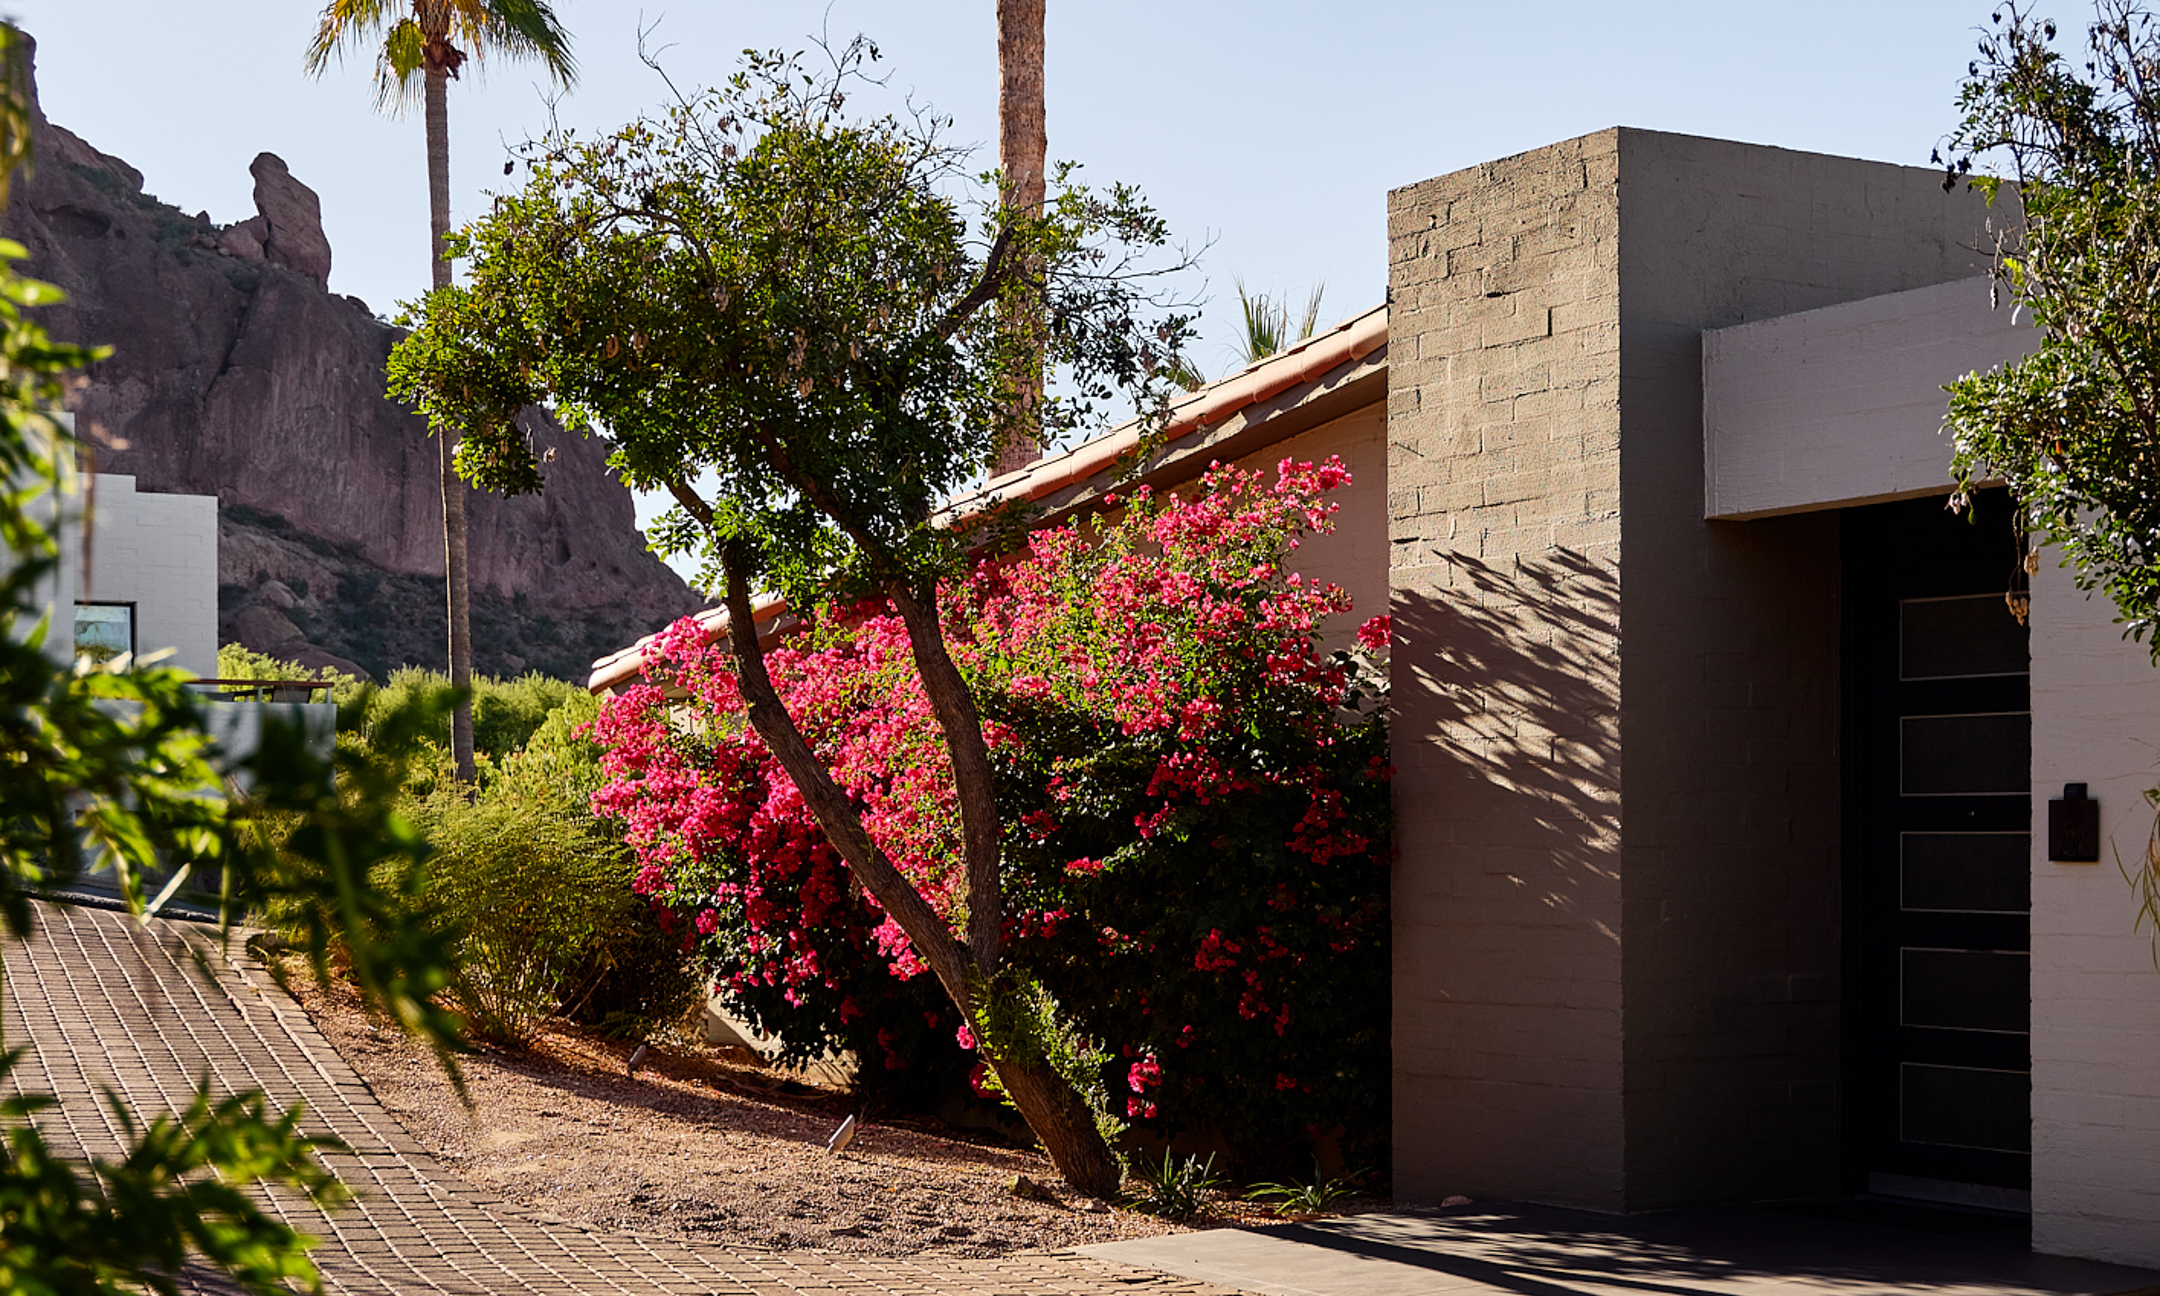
(158,552)
(1616,1004)
(2096,997)
(1729,665)
(1504,508)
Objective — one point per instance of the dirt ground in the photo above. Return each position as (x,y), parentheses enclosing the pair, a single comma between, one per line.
(708,1150)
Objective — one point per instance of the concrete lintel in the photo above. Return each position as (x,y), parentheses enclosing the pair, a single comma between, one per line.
(1843,406)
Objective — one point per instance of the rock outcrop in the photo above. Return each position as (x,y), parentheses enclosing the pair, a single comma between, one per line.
(292,220)
(236,373)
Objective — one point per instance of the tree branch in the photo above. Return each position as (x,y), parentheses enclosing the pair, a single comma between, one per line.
(828,802)
(985,289)
(973,777)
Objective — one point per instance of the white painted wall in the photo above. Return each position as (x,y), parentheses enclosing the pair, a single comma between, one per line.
(158,552)
(2095,991)
(1844,405)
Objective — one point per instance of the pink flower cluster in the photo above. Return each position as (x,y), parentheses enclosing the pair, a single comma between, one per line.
(1175,630)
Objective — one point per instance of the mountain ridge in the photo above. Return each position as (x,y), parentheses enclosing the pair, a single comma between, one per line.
(235,372)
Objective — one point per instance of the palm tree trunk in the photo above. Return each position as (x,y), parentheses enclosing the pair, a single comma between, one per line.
(1023,143)
(453,490)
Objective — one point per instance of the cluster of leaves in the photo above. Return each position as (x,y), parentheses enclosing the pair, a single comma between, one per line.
(537,888)
(1194,793)
(1176,1188)
(507,713)
(2074,428)
(757,291)
(540,889)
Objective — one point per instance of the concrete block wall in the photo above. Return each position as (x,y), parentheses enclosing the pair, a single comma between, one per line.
(1729,667)
(1504,530)
(158,552)
(2096,994)
(1619,1005)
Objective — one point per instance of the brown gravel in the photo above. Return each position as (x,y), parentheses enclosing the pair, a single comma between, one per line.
(710,1151)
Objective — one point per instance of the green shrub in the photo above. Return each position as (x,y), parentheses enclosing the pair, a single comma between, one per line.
(542,891)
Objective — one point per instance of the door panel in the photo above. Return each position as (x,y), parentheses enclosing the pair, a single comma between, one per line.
(1938,817)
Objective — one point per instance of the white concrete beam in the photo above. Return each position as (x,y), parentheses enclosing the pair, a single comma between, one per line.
(1844,405)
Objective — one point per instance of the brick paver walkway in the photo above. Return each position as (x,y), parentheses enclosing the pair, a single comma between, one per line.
(103,1003)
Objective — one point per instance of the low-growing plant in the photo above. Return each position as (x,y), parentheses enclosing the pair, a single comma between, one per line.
(1294,1199)
(1176,1188)
(542,890)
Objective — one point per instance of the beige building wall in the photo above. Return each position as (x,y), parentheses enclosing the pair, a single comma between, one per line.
(1354,554)
(2096,995)
(158,552)
(1621,1006)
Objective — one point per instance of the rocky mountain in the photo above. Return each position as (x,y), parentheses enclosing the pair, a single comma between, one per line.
(235,372)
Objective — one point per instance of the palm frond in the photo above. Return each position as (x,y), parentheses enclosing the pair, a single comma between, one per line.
(1312,311)
(511,29)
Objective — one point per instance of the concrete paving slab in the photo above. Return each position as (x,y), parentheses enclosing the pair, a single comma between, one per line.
(1540,1251)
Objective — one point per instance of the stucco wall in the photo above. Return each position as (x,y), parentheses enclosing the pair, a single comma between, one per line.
(1845,404)
(158,552)
(1729,666)
(2096,995)
(1616,1005)
(1355,554)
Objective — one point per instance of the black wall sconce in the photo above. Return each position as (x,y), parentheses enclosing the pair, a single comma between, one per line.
(2074,827)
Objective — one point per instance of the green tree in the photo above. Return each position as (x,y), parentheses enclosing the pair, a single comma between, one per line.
(762,292)
(2074,428)
(423,44)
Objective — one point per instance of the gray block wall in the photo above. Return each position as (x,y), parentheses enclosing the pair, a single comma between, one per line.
(1616,733)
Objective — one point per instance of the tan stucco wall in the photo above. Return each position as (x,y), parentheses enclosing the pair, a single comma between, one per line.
(1354,554)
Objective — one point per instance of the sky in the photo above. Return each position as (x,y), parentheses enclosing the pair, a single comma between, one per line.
(1267,132)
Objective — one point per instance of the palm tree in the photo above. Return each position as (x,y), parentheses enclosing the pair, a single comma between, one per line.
(421,45)
(1267,322)
(1023,143)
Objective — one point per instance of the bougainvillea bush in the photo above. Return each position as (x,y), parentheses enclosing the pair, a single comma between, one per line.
(1194,794)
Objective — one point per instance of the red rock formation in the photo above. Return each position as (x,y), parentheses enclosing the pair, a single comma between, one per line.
(236,373)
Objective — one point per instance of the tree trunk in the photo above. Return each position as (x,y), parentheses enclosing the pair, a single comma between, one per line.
(1023,145)
(1061,1119)
(456,579)
(973,778)
(1057,1114)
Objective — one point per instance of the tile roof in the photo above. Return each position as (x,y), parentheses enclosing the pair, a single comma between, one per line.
(1307,363)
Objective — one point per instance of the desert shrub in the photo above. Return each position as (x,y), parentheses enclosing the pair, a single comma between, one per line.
(1195,807)
(541,890)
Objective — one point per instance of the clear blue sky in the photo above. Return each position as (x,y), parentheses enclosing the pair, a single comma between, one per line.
(1273,129)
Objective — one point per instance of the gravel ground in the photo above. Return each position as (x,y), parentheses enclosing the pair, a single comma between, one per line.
(700,1148)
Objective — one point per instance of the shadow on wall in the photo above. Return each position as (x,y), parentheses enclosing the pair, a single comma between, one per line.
(1512,679)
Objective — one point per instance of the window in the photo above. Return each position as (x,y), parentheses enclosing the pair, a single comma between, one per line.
(104,631)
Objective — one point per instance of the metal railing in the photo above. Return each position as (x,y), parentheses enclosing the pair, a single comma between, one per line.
(251,690)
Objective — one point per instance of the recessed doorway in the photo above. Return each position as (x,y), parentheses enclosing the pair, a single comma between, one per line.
(1938,822)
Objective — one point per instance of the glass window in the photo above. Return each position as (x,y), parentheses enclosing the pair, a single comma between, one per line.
(104,631)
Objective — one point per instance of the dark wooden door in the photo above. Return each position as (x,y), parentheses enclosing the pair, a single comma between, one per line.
(1938,814)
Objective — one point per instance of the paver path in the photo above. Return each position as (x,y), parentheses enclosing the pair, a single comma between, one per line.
(103,1003)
